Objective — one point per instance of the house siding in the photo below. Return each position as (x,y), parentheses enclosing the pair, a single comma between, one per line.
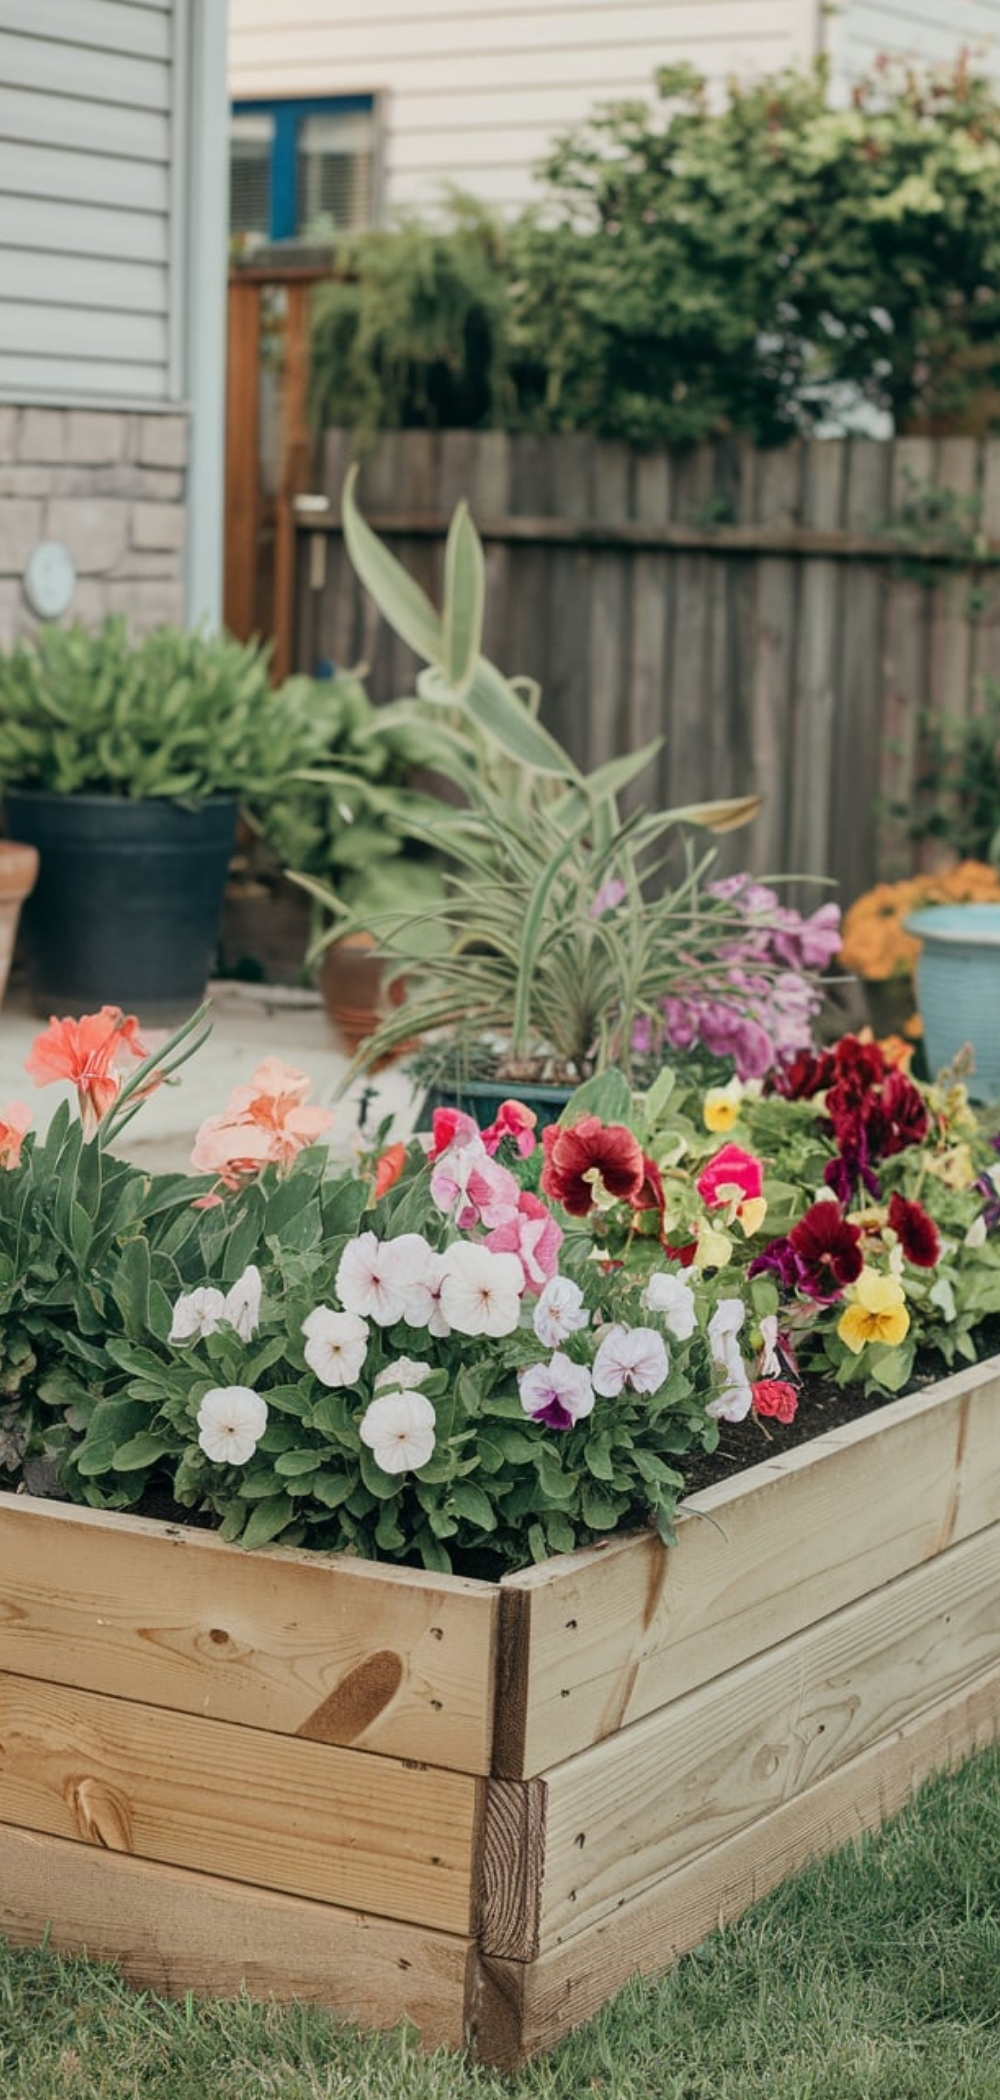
(90,154)
(924,29)
(473,92)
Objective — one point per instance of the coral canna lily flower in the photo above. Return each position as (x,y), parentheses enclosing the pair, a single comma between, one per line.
(92,1053)
(877,1312)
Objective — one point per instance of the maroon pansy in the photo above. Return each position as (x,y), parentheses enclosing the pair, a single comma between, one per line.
(588,1148)
(916,1232)
(828,1247)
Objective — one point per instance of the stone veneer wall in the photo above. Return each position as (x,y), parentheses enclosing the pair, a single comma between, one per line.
(110,485)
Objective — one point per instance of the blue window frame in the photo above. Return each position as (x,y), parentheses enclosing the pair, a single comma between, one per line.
(286,120)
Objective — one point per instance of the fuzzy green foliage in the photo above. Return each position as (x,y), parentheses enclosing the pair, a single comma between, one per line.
(178,714)
(692,271)
(956,789)
(415,329)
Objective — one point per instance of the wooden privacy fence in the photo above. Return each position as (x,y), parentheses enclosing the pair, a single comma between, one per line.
(752,608)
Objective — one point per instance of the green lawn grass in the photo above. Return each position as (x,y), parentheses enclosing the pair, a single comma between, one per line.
(874,1976)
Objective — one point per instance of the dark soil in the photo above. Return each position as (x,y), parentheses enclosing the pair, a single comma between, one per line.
(822,1406)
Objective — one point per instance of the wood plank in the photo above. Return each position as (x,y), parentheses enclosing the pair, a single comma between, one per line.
(904,682)
(242,459)
(658,1794)
(683,534)
(688,753)
(609,611)
(379,1834)
(488,488)
(816,670)
(348,1652)
(570,577)
(173,1932)
(525,651)
(988,651)
(594,1640)
(855,770)
(517,2008)
(651,587)
(778,503)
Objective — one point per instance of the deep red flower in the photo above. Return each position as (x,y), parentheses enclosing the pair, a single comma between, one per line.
(829,1254)
(775,1396)
(650,1196)
(905,1114)
(591,1149)
(917,1233)
(807,1073)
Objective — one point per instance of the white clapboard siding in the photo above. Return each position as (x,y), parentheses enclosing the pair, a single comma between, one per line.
(475,91)
(926,29)
(88,136)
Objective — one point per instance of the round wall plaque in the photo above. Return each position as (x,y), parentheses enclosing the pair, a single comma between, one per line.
(50,579)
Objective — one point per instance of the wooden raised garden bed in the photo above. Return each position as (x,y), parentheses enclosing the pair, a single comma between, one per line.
(483,1808)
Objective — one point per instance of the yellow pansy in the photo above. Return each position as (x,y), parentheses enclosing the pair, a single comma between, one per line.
(752,1213)
(714,1248)
(877,1312)
(721,1106)
(954,1167)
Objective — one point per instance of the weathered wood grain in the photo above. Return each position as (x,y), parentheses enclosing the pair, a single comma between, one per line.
(614,1632)
(172,1932)
(340,1651)
(518,2008)
(310,1819)
(658,1794)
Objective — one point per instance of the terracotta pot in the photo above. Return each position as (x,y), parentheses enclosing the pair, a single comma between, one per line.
(352,981)
(18,870)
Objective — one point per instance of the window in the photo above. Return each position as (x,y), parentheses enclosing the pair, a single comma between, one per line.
(301,168)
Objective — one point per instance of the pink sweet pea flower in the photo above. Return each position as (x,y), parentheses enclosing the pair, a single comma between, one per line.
(450,1126)
(533,1235)
(513,1120)
(471,1188)
(732,1173)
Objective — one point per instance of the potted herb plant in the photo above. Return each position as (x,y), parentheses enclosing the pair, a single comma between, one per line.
(124,763)
(548,947)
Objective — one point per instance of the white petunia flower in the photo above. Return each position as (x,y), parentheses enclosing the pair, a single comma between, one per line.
(197,1313)
(399,1431)
(406,1371)
(560,1312)
(481,1291)
(672,1297)
(633,1356)
(336,1345)
(416,1271)
(734,1402)
(725,1322)
(771,1364)
(242,1304)
(558,1393)
(231,1421)
(375,1278)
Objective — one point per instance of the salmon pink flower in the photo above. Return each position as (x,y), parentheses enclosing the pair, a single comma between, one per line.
(265,1123)
(15,1123)
(92,1053)
(388,1168)
(591,1164)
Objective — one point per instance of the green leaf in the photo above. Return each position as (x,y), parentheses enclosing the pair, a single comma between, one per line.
(131,1285)
(268,1520)
(608,1096)
(471,1503)
(464,599)
(396,594)
(141,1451)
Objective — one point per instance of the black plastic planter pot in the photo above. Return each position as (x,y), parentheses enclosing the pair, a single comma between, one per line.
(128,901)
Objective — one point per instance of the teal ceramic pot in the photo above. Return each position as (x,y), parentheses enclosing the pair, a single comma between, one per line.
(483,1098)
(958,988)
